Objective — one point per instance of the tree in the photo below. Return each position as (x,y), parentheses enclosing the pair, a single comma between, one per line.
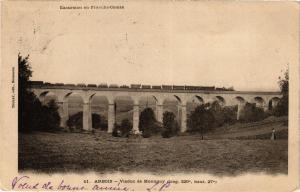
(31,114)
(96,121)
(217,111)
(50,117)
(201,120)
(170,126)
(25,98)
(147,123)
(223,114)
(25,73)
(284,83)
(282,107)
(126,127)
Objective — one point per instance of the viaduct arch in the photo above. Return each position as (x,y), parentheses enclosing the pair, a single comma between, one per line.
(61,93)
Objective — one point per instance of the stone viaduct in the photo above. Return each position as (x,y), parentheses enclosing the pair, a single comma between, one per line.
(182,95)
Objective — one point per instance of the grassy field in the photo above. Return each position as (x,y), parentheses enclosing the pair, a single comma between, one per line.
(81,152)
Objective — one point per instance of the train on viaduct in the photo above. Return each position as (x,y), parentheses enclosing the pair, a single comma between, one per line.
(183,94)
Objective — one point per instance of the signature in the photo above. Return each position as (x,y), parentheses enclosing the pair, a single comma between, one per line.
(19,183)
(24,183)
(159,186)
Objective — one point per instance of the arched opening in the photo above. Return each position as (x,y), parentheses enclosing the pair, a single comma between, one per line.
(259,102)
(99,110)
(148,115)
(75,111)
(123,109)
(220,100)
(193,103)
(47,96)
(273,103)
(172,104)
(147,102)
(240,100)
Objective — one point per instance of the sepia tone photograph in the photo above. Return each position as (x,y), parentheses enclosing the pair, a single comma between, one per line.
(162,89)
(85,114)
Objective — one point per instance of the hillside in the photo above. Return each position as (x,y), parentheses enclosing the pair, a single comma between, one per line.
(256,130)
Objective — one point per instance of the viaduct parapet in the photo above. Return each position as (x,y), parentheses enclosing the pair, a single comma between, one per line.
(183,94)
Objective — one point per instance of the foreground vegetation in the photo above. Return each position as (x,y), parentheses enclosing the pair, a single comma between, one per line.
(80,152)
(229,150)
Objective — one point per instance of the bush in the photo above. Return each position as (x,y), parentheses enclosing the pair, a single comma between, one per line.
(122,130)
(209,116)
(170,126)
(36,117)
(251,113)
(75,121)
(50,119)
(103,125)
(146,134)
(223,115)
(126,127)
(230,114)
(96,121)
(99,122)
(147,124)
(217,112)
(116,131)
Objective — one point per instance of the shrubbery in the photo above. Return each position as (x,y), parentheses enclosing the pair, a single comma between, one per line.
(206,117)
(75,121)
(201,120)
(96,121)
(49,117)
(251,113)
(230,114)
(126,127)
(222,115)
(170,126)
(99,122)
(122,130)
(39,117)
(147,124)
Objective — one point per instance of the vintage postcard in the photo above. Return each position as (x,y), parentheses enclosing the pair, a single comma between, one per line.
(149,95)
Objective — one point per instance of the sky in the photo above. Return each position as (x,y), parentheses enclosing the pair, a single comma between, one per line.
(244,45)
